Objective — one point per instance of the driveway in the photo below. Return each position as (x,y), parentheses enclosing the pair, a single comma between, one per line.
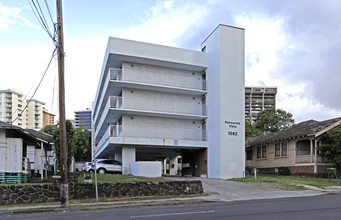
(224,190)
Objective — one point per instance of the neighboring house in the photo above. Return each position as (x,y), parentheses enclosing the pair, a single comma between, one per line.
(41,155)
(294,147)
(12,110)
(155,102)
(258,99)
(15,147)
(83,118)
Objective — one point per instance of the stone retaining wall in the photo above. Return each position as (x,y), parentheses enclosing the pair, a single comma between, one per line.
(27,194)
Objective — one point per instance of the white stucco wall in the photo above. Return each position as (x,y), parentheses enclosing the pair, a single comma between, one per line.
(3,150)
(225,98)
(14,155)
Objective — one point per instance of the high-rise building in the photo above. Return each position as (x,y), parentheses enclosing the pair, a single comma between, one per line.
(48,118)
(12,110)
(155,102)
(257,99)
(35,114)
(83,117)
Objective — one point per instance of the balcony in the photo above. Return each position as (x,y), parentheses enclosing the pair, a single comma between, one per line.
(152,135)
(157,79)
(159,106)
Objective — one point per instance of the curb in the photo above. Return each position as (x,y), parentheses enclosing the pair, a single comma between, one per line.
(101,206)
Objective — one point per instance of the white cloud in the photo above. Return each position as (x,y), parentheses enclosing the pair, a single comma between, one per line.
(8,15)
(166,21)
(12,15)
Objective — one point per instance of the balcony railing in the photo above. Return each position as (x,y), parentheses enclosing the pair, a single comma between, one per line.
(117,102)
(144,131)
(307,159)
(152,78)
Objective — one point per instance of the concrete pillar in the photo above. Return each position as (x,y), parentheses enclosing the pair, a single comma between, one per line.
(128,156)
(311,150)
(315,164)
(173,165)
(118,155)
(42,160)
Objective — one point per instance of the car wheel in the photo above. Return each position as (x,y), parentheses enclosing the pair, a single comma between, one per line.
(91,171)
(101,171)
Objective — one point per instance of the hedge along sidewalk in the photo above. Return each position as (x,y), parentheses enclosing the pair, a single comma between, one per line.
(288,182)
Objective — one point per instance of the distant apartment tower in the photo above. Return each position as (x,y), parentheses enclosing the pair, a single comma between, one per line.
(83,117)
(48,118)
(12,102)
(258,99)
(12,105)
(155,102)
(35,114)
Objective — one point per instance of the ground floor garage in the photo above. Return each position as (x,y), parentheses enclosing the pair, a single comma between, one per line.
(189,161)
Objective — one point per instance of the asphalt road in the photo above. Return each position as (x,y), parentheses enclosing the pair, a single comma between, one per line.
(317,207)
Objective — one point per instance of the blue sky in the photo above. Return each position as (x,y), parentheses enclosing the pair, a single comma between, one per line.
(294,45)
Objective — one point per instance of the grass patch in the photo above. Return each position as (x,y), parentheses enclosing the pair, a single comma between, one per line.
(116,178)
(286,182)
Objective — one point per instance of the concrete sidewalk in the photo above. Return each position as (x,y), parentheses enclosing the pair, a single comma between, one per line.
(224,190)
(216,190)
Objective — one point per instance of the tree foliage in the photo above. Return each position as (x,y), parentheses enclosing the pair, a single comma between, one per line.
(272,120)
(70,131)
(78,142)
(331,147)
(82,144)
(251,130)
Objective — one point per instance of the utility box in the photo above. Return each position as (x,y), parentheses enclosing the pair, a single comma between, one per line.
(146,168)
(87,178)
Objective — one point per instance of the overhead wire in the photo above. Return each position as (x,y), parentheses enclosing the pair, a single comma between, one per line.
(39,14)
(48,65)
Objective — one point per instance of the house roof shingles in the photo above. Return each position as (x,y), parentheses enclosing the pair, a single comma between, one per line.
(306,128)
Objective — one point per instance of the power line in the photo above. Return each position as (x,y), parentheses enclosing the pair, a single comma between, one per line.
(48,9)
(48,65)
(39,14)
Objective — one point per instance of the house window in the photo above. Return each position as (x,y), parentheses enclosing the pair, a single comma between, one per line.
(277,150)
(284,148)
(249,155)
(259,152)
(281,149)
(264,154)
(303,147)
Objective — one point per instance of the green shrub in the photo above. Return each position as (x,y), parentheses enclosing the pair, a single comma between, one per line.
(285,171)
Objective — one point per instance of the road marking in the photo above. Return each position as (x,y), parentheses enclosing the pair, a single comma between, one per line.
(170,214)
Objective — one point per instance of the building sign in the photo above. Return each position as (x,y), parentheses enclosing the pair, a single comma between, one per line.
(232,128)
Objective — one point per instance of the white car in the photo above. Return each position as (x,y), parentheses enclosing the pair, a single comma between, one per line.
(86,166)
(106,165)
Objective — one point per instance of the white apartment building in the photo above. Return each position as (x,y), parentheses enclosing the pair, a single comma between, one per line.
(155,102)
(13,102)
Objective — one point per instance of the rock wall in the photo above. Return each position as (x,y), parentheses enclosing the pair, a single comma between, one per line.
(28,194)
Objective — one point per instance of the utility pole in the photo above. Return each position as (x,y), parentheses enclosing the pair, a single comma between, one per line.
(64,188)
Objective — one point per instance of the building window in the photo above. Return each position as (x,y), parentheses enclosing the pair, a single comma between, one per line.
(281,149)
(259,152)
(277,150)
(284,148)
(264,154)
(249,155)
